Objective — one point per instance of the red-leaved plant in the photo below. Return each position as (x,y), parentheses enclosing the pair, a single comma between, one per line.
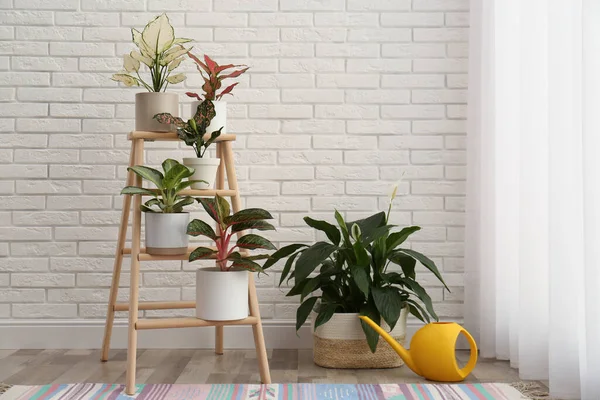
(213,77)
(227,226)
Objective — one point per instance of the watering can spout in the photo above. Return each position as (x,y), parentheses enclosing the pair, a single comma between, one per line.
(402,352)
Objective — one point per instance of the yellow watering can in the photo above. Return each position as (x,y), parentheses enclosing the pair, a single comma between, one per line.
(432,349)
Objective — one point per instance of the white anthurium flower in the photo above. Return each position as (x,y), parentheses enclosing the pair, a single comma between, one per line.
(159,35)
(128,80)
(175,63)
(171,55)
(131,64)
(177,78)
(146,60)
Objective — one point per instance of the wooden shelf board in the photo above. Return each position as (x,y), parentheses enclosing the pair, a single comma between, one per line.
(157,305)
(172,136)
(164,323)
(143,256)
(203,192)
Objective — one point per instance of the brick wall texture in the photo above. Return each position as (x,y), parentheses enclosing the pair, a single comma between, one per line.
(343,98)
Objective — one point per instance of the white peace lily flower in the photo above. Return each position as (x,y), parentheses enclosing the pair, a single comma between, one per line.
(128,80)
(177,78)
(130,64)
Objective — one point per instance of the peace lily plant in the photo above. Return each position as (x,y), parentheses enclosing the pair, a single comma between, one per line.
(162,53)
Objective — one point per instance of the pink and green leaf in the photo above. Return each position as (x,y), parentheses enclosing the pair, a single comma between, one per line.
(202,253)
(212,66)
(210,206)
(198,227)
(235,74)
(193,95)
(252,241)
(166,118)
(259,225)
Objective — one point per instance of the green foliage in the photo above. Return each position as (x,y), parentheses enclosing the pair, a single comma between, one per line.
(228,225)
(352,273)
(193,131)
(159,50)
(166,197)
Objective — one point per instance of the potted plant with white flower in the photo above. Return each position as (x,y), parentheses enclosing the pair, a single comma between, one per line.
(162,53)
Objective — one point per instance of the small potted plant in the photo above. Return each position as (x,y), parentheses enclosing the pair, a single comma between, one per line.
(166,222)
(161,52)
(214,74)
(222,291)
(193,133)
(361,270)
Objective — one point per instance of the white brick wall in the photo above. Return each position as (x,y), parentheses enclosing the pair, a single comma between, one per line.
(343,98)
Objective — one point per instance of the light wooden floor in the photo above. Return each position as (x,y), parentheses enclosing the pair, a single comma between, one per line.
(27,367)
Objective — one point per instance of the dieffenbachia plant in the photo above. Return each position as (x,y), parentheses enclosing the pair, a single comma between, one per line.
(228,225)
(166,197)
(214,77)
(192,132)
(160,51)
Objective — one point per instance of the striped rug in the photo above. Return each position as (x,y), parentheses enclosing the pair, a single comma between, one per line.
(301,391)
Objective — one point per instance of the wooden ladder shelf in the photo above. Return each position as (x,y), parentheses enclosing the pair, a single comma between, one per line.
(138,253)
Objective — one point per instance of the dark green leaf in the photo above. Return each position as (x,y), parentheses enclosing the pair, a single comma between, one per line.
(252,241)
(427,263)
(186,201)
(368,225)
(369,310)
(259,225)
(304,311)
(149,174)
(325,314)
(377,233)
(168,164)
(202,253)
(185,184)
(223,208)
(397,238)
(210,206)
(213,136)
(138,190)
(416,310)
(422,295)
(176,174)
(311,258)
(246,263)
(145,208)
(297,289)
(333,234)
(311,285)
(388,303)
(249,214)
(198,227)
(282,253)
(287,267)
(362,257)
(361,278)
(406,262)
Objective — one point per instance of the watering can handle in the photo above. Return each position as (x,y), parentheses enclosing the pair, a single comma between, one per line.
(473,358)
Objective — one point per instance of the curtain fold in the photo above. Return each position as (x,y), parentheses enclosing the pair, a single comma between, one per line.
(532,261)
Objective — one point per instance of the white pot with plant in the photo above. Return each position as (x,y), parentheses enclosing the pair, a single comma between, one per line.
(166,222)
(214,74)
(222,291)
(362,269)
(193,133)
(162,53)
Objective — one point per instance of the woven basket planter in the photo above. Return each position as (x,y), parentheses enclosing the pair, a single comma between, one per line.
(341,343)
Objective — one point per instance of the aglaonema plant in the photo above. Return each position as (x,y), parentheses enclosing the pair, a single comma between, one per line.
(160,51)
(166,198)
(229,255)
(192,132)
(362,268)
(214,74)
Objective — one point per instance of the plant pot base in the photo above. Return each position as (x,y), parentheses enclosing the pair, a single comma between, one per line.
(166,251)
(355,354)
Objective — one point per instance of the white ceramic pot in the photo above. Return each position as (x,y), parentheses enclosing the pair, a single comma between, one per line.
(204,169)
(166,234)
(221,295)
(341,343)
(220,119)
(148,104)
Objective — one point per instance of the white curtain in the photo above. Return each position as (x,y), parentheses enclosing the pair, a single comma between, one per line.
(533,199)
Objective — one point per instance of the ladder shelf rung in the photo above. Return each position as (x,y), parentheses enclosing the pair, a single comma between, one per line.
(204,192)
(143,256)
(157,305)
(172,136)
(189,322)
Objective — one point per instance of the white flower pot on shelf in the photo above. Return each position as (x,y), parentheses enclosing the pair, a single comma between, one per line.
(220,119)
(205,169)
(166,234)
(148,104)
(341,343)
(221,295)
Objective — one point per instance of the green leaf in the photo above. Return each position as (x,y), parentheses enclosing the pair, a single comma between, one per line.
(176,174)
(361,278)
(252,241)
(282,253)
(343,227)
(202,253)
(259,225)
(325,314)
(205,112)
(427,263)
(297,289)
(377,233)
(155,202)
(223,208)
(397,238)
(168,164)
(304,311)
(138,190)
(198,227)
(311,285)
(287,267)
(406,262)
(369,310)
(333,234)
(213,137)
(185,184)
(247,215)
(186,201)
(362,257)
(149,174)
(311,258)
(145,208)
(368,225)
(416,310)
(388,303)
(422,295)
(210,206)
(246,263)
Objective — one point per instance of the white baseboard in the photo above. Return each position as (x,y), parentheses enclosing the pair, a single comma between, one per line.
(88,334)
